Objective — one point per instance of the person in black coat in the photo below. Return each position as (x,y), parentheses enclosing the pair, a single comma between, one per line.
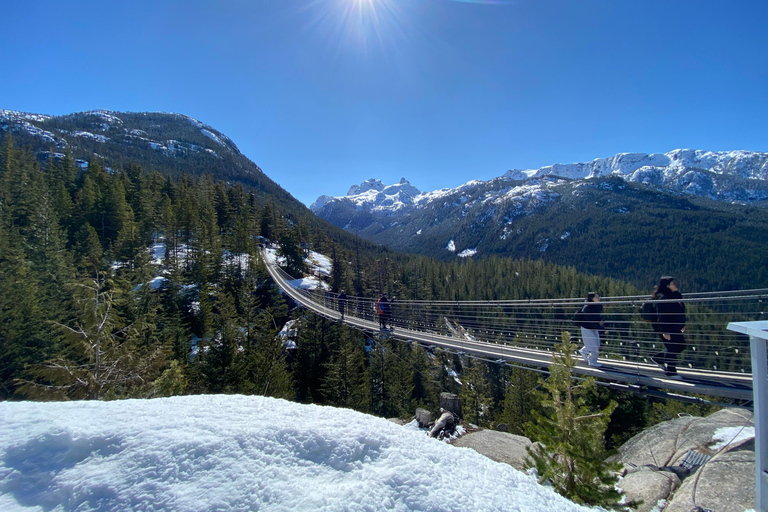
(382,307)
(669,325)
(589,318)
(342,303)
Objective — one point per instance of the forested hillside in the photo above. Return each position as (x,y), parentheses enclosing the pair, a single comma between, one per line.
(92,309)
(603,226)
(171,144)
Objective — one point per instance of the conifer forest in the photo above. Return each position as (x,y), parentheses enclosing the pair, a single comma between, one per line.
(123,283)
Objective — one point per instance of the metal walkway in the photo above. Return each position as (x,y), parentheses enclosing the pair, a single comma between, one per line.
(716,362)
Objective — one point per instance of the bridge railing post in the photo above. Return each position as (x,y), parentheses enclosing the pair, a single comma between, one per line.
(758,337)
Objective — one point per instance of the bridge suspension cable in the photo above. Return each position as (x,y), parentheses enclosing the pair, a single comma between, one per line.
(717,361)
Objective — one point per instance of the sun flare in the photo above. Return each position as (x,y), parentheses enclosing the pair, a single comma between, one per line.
(361,24)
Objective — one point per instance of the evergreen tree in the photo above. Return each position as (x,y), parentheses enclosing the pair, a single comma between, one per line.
(94,361)
(88,251)
(172,382)
(290,249)
(571,454)
(263,367)
(219,363)
(519,400)
(475,393)
(399,377)
(23,337)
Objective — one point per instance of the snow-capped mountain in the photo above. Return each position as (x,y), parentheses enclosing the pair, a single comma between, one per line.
(733,177)
(373,195)
(724,176)
(618,207)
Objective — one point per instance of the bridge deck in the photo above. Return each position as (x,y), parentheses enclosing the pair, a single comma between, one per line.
(637,375)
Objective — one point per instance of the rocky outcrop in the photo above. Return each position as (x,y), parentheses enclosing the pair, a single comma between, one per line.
(665,444)
(649,485)
(498,446)
(653,460)
(726,482)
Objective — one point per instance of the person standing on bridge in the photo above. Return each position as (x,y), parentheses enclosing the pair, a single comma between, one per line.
(342,303)
(669,325)
(589,318)
(382,308)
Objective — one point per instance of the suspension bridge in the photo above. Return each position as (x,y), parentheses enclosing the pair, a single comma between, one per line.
(716,361)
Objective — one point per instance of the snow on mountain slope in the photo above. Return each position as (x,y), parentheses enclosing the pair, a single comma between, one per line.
(725,176)
(108,121)
(373,195)
(716,175)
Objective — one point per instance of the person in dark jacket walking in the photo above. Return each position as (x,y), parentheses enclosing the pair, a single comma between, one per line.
(589,318)
(342,303)
(669,325)
(382,309)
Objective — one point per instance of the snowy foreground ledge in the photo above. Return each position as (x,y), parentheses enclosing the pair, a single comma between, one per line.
(242,453)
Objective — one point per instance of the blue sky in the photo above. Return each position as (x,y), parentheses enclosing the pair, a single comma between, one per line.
(326,93)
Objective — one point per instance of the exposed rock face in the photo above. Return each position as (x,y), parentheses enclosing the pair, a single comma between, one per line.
(652,460)
(665,444)
(726,483)
(498,446)
(423,417)
(650,485)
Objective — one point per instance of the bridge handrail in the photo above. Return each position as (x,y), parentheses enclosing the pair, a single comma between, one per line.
(538,323)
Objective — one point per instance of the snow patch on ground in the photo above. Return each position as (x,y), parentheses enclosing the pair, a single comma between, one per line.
(319,263)
(234,452)
(92,136)
(731,435)
(309,283)
(212,136)
(154,284)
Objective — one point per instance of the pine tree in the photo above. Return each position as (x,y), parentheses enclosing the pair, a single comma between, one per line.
(426,393)
(518,400)
(88,251)
(290,249)
(172,382)
(219,363)
(262,367)
(571,454)
(23,337)
(95,361)
(338,270)
(399,377)
(475,392)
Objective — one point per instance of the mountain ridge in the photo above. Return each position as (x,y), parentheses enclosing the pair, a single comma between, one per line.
(170,143)
(718,175)
(637,227)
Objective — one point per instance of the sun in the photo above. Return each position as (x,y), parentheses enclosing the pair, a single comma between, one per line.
(360,24)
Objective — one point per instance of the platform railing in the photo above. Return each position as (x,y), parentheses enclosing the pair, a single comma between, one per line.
(758,339)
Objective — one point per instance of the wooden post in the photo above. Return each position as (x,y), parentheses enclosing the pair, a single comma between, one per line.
(452,403)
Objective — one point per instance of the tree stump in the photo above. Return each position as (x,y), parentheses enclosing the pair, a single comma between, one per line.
(452,403)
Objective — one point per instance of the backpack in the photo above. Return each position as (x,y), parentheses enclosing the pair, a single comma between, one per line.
(578,318)
(649,312)
(379,310)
